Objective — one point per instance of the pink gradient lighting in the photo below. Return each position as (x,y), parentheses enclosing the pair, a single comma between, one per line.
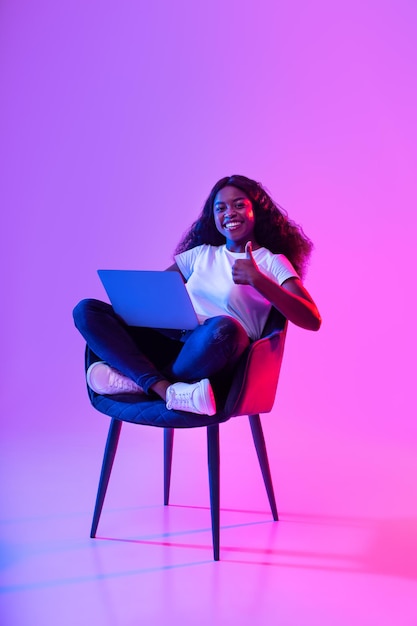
(116,120)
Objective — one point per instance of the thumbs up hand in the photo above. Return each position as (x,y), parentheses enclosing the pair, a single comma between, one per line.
(245,270)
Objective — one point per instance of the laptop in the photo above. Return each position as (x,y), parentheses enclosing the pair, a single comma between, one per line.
(152,299)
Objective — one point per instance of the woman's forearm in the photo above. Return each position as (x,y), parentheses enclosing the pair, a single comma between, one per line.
(293,300)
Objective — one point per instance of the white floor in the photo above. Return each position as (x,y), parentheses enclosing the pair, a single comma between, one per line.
(344,552)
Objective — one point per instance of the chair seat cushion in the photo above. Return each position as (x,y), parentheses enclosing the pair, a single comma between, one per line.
(140,409)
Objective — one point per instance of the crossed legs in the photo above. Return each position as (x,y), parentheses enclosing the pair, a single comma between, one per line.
(153,361)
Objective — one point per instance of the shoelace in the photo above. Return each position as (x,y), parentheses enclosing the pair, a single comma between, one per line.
(119,382)
(181,398)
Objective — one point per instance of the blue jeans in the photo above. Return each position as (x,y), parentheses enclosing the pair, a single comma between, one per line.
(147,355)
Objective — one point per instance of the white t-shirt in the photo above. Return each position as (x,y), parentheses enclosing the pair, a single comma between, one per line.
(208,272)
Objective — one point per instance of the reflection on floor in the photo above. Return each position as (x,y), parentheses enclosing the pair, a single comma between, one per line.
(344,552)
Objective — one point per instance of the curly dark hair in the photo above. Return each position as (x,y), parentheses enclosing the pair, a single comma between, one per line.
(273,229)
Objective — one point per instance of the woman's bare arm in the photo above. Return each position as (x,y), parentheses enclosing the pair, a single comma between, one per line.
(291,298)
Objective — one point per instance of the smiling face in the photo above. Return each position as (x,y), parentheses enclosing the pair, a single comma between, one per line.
(234,218)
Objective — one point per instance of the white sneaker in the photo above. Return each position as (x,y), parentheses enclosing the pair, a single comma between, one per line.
(106,381)
(193,398)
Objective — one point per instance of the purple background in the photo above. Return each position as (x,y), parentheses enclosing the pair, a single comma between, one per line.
(116,120)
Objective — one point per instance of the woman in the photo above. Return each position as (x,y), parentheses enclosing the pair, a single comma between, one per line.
(242,256)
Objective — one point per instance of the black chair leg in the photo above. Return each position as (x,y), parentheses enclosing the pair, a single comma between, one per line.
(168,446)
(259,441)
(214,481)
(109,454)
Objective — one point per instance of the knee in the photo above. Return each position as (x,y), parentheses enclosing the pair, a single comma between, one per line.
(80,310)
(226,329)
(83,310)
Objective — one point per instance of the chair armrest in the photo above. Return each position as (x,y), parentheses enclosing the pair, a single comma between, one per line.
(255,381)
